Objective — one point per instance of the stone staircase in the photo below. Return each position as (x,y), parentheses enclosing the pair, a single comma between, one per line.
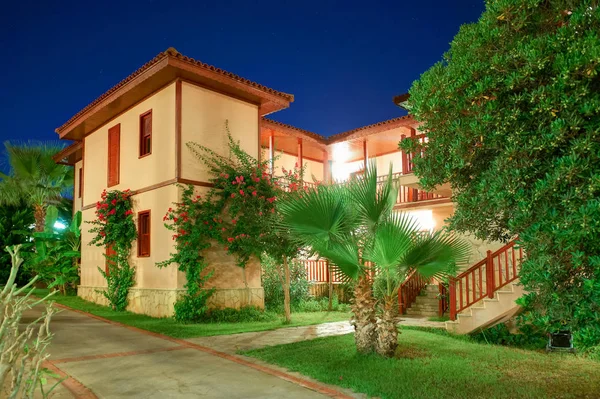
(488,311)
(426,303)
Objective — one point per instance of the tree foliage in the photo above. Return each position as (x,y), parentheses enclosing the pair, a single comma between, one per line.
(237,213)
(35,178)
(15,228)
(512,114)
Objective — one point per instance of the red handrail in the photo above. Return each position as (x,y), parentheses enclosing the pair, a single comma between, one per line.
(410,289)
(484,278)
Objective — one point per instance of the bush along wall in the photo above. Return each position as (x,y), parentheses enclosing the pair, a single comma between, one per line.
(115,230)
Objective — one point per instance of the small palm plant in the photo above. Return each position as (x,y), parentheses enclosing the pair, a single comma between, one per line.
(35,178)
(355,227)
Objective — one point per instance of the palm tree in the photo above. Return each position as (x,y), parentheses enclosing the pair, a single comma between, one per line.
(354,226)
(34,178)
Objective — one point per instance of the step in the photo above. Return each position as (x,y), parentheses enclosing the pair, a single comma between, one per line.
(414,312)
(426,300)
(425,308)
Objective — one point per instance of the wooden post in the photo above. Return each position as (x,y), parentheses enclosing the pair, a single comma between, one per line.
(489,275)
(272,152)
(400,301)
(330,177)
(441,301)
(404,158)
(300,157)
(452,288)
(330,285)
(365,155)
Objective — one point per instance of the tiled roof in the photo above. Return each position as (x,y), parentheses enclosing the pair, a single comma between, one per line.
(171,52)
(369,129)
(375,126)
(316,136)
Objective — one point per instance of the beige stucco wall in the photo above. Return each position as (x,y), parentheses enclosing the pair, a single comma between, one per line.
(135,172)
(383,163)
(147,274)
(77,202)
(203,118)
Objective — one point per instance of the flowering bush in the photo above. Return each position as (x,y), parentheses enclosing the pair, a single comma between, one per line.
(115,230)
(238,213)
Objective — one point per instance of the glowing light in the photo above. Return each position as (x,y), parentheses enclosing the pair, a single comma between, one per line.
(424,219)
(59,225)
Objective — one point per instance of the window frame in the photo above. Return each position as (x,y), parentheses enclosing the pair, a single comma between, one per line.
(80,185)
(140,239)
(142,136)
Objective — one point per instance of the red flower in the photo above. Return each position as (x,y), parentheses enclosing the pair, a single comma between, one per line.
(259,213)
(103,234)
(272,210)
(165,218)
(223,229)
(114,202)
(241,192)
(254,193)
(234,221)
(256,179)
(129,212)
(98,205)
(271,199)
(230,239)
(226,176)
(175,220)
(205,222)
(112,212)
(234,182)
(232,195)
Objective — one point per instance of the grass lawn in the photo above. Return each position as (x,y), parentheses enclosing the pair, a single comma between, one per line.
(436,365)
(172,328)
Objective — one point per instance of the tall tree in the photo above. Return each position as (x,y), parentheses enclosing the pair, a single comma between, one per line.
(512,113)
(34,178)
(354,226)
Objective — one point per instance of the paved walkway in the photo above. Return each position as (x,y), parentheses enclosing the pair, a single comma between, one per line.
(107,360)
(254,340)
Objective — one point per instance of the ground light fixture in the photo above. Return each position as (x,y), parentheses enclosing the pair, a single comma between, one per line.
(560,341)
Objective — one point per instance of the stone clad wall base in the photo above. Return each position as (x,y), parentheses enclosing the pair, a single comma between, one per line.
(160,302)
(237,298)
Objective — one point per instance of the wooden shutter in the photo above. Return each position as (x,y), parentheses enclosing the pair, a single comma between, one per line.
(144,233)
(146,133)
(109,252)
(114,154)
(80,187)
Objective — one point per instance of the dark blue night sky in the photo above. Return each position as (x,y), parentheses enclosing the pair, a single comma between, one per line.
(343,61)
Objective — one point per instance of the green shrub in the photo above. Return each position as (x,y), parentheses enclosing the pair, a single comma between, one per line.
(321,305)
(528,337)
(274,288)
(243,315)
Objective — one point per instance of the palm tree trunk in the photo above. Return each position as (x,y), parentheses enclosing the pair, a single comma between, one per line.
(363,307)
(387,332)
(39,213)
(286,291)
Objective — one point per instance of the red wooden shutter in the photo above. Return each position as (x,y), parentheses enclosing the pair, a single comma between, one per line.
(146,133)
(80,187)
(114,153)
(144,233)
(109,252)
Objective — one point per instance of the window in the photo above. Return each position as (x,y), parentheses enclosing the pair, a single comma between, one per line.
(114,154)
(146,133)
(80,182)
(144,233)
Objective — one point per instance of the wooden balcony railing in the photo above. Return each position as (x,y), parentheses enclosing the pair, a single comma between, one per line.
(484,278)
(406,194)
(407,158)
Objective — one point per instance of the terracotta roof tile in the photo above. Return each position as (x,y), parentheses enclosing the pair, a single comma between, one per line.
(315,136)
(171,52)
(375,126)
